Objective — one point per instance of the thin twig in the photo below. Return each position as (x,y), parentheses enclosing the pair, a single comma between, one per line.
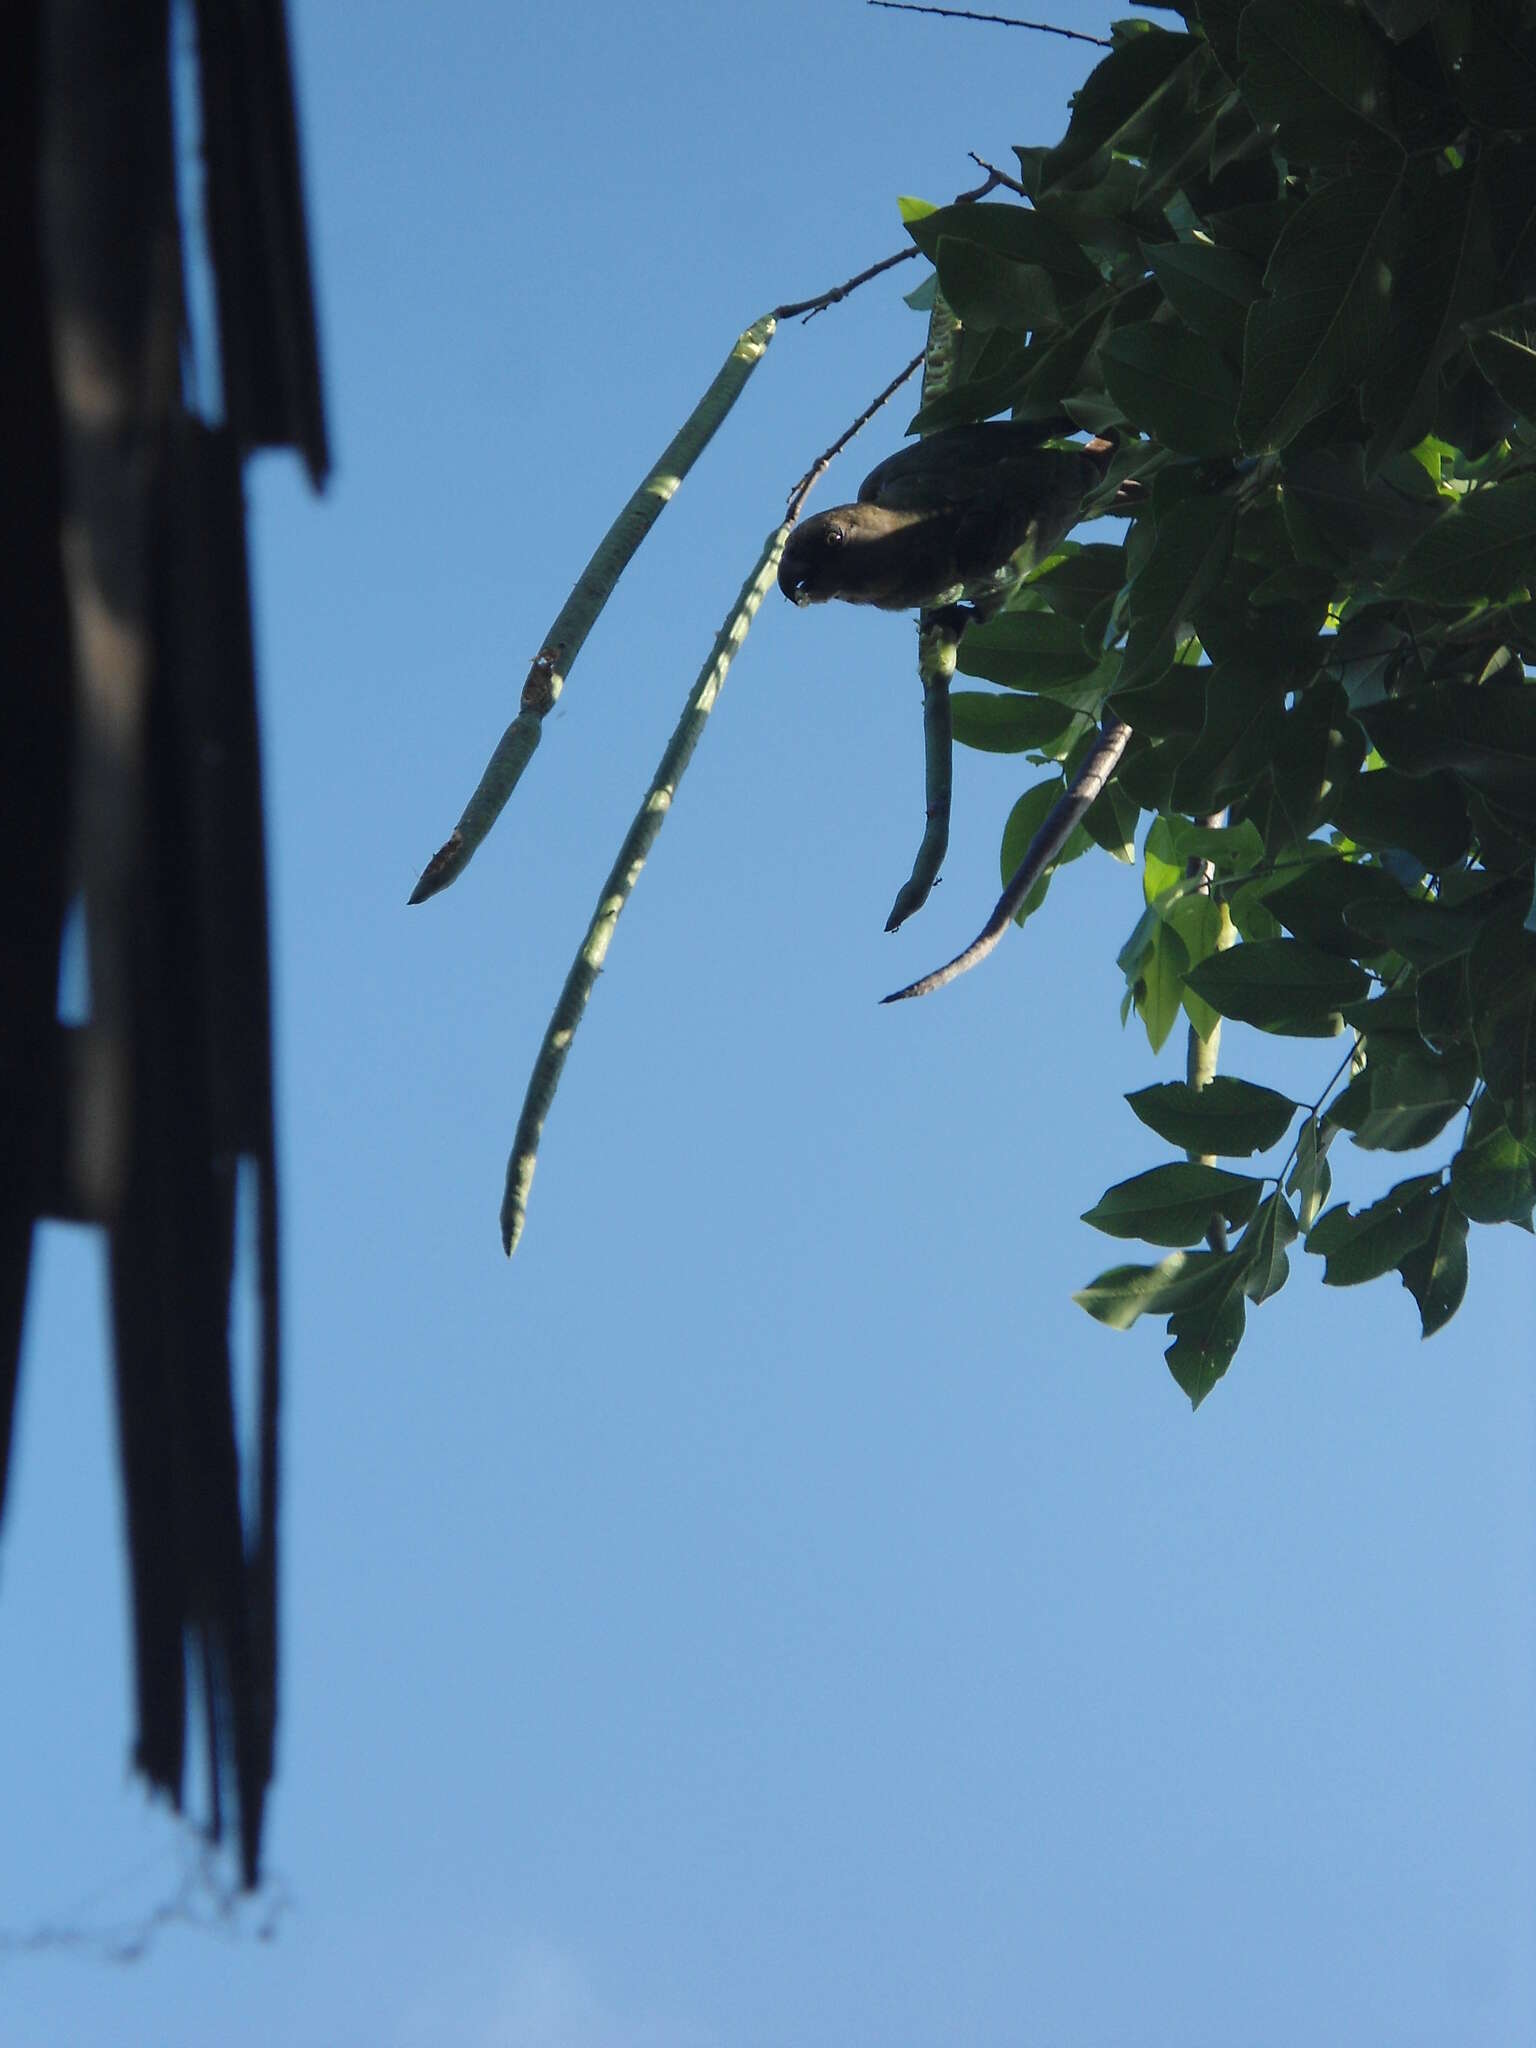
(998,177)
(1043,850)
(1044,28)
(825,460)
(810,307)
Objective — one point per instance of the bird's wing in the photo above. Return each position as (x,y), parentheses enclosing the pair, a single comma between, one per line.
(958,465)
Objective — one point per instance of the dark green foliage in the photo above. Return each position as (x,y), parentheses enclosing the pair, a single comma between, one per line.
(1288,252)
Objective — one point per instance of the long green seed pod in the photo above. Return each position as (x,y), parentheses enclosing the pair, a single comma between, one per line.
(546,678)
(616,891)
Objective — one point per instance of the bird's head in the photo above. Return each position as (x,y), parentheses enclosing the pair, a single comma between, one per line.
(813,554)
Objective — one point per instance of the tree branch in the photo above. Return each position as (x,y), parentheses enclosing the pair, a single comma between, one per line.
(1043,28)
(998,177)
(824,461)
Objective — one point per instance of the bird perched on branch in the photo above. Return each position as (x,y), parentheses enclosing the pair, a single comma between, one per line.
(941,521)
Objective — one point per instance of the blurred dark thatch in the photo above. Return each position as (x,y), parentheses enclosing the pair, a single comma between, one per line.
(130,785)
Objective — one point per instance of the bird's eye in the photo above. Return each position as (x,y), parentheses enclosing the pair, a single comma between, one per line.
(835,536)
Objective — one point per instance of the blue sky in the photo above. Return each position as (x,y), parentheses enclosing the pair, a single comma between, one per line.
(768,1612)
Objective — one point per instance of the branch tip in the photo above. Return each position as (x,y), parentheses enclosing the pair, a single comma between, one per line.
(1043,28)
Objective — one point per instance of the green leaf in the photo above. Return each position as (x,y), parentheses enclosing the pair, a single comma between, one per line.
(1219,19)
(1160,984)
(1427,933)
(1019,233)
(1052,366)
(1496,77)
(1174,1204)
(1229,848)
(1315,906)
(1084,586)
(1279,985)
(1401,19)
(1315,70)
(1162,867)
(1427,815)
(1364,1246)
(1199,923)
(1443,1004)
(1132,956)
(1435,1272)
(1243,722)
(1509,363)
(1484,546)
(1487,735)
(1189,555)
(1173,385)
(1035,651)
(1024,821)
(974,397)
(988,290)
(1210,289)
(1312,1177)
(1262,1248)
(1197,920)
(1111,822)
(1501,980)
(1250,913)
(1122,1294)
(1414,1093)
(1117,97)
(1008,725)
(1330,280)
(1443,273)
(1205,1342)
(1336,517)
(1174,704)
(1227,1116)
(1199,116)
(1494,1180)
